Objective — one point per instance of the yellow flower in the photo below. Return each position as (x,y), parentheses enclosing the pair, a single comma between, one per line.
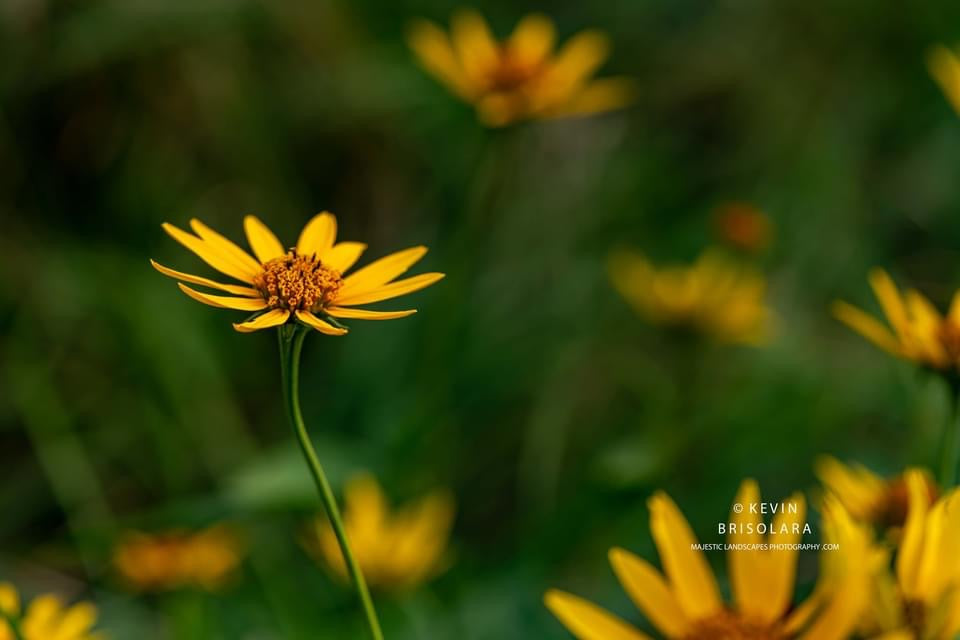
(714,296)
(302,283)
(46,618)
(920,334)
(520,78)
(865,495)
(944,66)
(921,602)
(398,550)
(685,603)
(743,226)
(177,559)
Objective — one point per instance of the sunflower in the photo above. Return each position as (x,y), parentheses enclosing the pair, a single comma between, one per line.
(920,601)
(684,601)
(302,284)
(520,78)
(176,559)
(944,66)
(867,496)
(920,333)
(46,618)
(397,549)
(715,296)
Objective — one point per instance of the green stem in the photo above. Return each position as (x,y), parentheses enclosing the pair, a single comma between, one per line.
(951,446)
(291,344)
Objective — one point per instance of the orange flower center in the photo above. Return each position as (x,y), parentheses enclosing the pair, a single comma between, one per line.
(728,625)
(949,335)
(891,509)
(296,282)
(511,73)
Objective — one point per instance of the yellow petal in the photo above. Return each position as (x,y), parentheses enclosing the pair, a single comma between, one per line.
(532,40)
(474,45)
(213,256)
(225,302)
(227,246)
(690,575)
(867,326)
(205,282)
(574,64)
(911,545)
(857,487)
(320,325)
(77,621)
(650,592)
(587,621)
(598,96)
(41,617)
(945,68)
(954,314)
(263,242)
(747,573)
(392,290)
(435,53)
(363,314)
(890,301)
(421,532)
(925,328)
(782,563)
(9,599)
(272,318)
(343,255)
(381,271)
(318,235)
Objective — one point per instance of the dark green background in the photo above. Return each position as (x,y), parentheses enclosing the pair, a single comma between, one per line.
(524,384)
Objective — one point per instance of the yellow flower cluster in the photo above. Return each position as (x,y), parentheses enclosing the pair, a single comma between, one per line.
(45,618)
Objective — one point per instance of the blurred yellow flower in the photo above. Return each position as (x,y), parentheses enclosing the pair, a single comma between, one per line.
(921,602)
(684,601)
(177,559)
(715,296)
(743,226)
(302,283)
(944,66)
(46,618)
(920,334)
(867,496)
(397,550)
(520,78)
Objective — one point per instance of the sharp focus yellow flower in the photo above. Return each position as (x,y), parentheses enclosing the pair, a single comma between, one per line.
(46,618)
(743,226)
(866,496)
(920,334)
(398,550)
(684,601)
(921,602)
(177,559)
(520,78)
(714,296)
(303,283)
(944,66)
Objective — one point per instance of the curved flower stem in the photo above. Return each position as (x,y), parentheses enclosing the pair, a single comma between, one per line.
(291,343)
(951,445)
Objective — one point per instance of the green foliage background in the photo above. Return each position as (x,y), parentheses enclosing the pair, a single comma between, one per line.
(524,384)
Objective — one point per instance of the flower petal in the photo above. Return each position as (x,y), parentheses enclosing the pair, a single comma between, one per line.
(226,245)
(213,256)
(381,271)
(599,96)
(587,621)
(911,544)
(263,242)
(272,318)
(532,40)
(205,282)
(576,61)
(320,325)
(867,326)
(650,592)
(343,255)
(364,314)
(945,68)
(76,621)
(318,235)
(435,52)
(225,302)
(475,46)
(392,290)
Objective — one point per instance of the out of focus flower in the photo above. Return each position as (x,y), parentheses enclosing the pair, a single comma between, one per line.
(176,559)
(302,284)
(944,66)
(920,601)
(868,497)
(714,296)
(742,226)
(395,549)
(46,618)
(522,77)
(685,602)
(920,334)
